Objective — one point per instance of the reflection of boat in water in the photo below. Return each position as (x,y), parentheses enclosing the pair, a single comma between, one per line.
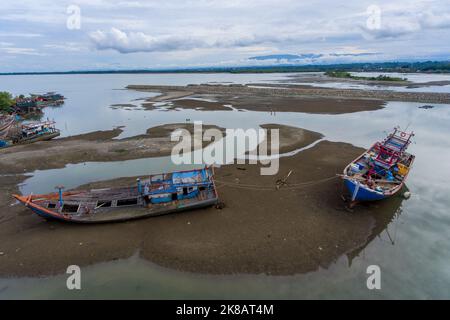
(158,195)
(381,171)
(29,133)
(386,215)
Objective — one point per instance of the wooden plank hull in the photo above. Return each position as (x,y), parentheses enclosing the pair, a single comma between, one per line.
(43,137)
(130,214)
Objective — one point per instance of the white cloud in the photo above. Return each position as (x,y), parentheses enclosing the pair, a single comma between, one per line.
(129,42)
(19,35)
(401,21)
(138,41)
(21,51)
(66,46)
(211,32)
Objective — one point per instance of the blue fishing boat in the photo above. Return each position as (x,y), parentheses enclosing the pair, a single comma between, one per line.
(381,171)
(159,194)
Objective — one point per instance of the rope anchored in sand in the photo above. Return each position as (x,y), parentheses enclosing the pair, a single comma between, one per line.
(278,185)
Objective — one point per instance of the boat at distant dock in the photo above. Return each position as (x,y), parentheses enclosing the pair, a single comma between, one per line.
(159,194)
(36,102)
(381,171)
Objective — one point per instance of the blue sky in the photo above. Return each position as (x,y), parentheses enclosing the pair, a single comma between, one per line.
(44,35)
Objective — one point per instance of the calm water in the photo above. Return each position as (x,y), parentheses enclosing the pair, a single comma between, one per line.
(89,97)
(412,249)
(413,77)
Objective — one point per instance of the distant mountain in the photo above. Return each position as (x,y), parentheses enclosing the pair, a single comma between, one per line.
(288,57)
(307,56)
(423,66)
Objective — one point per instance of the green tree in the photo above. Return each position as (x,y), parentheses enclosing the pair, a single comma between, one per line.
(6,101)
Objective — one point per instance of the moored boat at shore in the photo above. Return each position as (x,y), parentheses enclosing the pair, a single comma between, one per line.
(28,133)
(6,121)
(381,171)
(159,194)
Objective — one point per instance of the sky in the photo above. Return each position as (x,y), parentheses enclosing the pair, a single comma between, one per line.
(66,35)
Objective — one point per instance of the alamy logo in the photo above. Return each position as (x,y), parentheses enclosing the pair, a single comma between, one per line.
(374,280)
(373,21)
(238,145)
(73,21)
(74,280)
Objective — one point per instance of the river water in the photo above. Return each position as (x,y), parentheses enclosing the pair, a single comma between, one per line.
(414,78)
(411,246)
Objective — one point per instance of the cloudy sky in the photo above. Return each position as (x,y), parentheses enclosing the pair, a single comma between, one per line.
(47,35)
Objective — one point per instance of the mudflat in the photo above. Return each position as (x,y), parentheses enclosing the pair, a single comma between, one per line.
(270,92)
(293,229)
(94,146)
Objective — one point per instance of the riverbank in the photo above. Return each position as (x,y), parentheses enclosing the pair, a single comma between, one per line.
(271,93)
(94,146)
(238,97)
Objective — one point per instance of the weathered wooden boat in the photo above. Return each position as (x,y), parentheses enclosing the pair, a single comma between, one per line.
(28,133)
(36,131)
(48,99)
(381,171)
(6,121)
(159,194)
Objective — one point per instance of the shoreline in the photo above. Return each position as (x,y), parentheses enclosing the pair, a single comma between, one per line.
(221,100)
(382,95)
(94,146)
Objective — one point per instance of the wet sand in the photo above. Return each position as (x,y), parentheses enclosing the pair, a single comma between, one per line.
(213,98)
(313,105)
(187,103)
(292,230)
(300,92)
(94,146)
(320,77)
(290,138)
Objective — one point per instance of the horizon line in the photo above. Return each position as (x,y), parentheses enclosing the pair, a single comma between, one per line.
(218,68)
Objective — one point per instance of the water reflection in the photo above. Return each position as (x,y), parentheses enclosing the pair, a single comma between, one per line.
(383,212)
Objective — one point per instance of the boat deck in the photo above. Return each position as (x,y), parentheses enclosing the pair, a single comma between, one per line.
(160,194)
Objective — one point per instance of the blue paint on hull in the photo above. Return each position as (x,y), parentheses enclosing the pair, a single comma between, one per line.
(363,193)
(44,215)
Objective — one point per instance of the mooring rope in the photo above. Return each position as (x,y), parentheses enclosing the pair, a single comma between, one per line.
(264,188)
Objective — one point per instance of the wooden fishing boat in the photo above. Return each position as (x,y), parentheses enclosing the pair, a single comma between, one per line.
(36,131)
(28,133)
(159,194)
(381,171)
(6,122)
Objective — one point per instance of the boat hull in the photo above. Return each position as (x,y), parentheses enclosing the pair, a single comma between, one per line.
(43,137)
(158,195)
(124,215)
(360,193)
